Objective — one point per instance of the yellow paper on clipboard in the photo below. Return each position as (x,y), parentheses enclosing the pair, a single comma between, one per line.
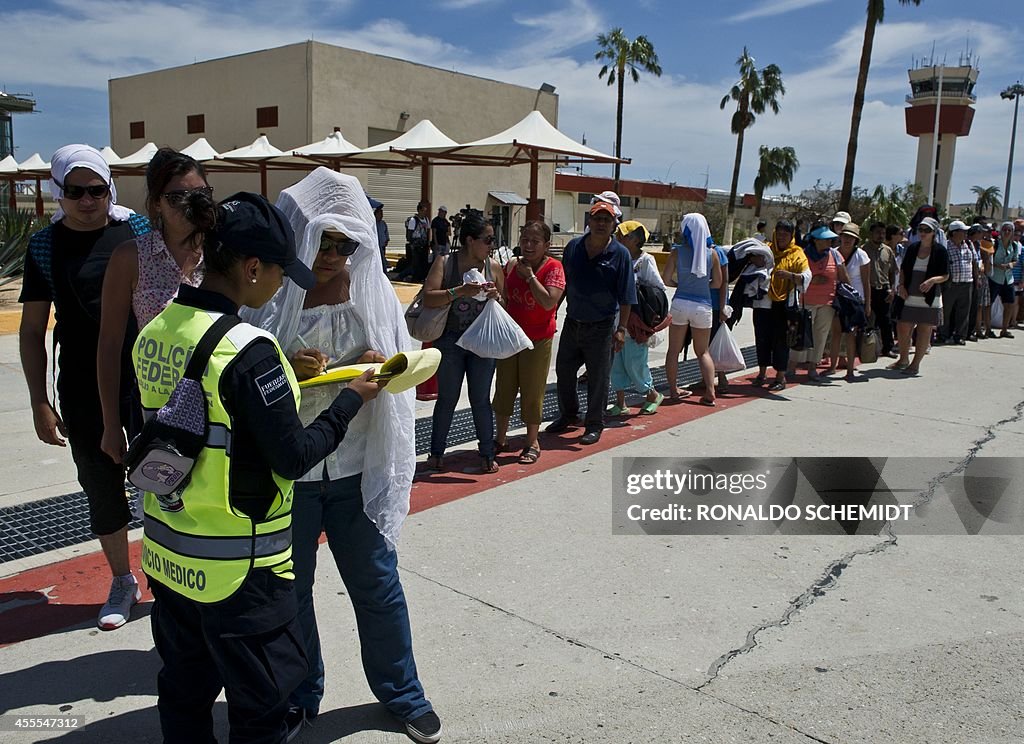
(403,371)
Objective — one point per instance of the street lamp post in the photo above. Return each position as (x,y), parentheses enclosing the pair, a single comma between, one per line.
(1014,92)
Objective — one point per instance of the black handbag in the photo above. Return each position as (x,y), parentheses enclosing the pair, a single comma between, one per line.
(799,333)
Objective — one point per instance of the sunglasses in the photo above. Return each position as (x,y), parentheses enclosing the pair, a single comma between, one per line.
(74,193)
(179,197)
(341,246)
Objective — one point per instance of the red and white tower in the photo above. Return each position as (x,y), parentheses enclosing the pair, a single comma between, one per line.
(939,111)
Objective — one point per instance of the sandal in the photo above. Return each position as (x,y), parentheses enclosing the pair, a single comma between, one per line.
(707,402)
(758,381)
(488,466)
(529,455)
(435,464)
(898,366)
(650,407)
(777,386)
(616,410)
(1005,334)
(678,396)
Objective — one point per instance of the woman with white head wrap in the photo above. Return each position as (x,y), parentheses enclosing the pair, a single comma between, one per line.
(360,494)
(64,269)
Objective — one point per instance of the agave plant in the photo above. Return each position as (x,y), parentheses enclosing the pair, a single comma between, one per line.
(15,230)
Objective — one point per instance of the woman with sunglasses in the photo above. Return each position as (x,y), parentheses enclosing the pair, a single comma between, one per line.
(1004,259)
(358,495)
(144,274)
(64,268)
(919,295)
(445,285)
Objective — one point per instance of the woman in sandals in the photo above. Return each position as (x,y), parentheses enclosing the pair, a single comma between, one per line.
(693,269)
(359,494)
(534,285)
(630,366)
(919,295)
(445,286)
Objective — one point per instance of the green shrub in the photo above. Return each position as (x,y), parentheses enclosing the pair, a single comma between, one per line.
(15,230)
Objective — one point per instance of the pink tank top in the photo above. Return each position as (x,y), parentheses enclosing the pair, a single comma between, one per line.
(159,277)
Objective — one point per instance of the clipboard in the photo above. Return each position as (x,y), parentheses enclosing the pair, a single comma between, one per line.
(404,371)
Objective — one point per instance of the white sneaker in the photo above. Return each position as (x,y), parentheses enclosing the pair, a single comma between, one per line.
(124,592)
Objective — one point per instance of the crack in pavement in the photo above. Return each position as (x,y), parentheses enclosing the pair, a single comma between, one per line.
(612,656)
(834,571)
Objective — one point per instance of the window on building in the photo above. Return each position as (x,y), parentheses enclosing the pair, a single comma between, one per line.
(137,130)
(584,198)
(196,123)
(266,117)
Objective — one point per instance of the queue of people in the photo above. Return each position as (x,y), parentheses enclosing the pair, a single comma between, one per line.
(268,295)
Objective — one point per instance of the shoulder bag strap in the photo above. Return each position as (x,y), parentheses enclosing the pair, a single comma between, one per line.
(204,349)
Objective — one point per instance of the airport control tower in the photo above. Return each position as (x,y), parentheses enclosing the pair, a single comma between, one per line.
(939,106)
(11,103)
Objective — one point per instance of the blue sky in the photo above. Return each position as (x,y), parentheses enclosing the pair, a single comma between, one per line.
(64,51)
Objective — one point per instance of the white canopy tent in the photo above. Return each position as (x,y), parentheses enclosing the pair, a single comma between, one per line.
(532,140)
(110,156)
(36,167)
(9,170)
(138,160)
(259,153)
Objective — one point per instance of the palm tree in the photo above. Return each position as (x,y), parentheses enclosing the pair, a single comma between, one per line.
(620,55)
(754,93)
(778,165)
(876,14)
(893,207)
(988,200)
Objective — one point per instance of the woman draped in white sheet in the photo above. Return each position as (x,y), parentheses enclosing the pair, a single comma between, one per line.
(359,495)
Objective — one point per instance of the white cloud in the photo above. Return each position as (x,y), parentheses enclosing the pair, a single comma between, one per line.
(673,127)
(773,8)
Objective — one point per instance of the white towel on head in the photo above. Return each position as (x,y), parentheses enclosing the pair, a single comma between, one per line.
(695,229)
(69,157)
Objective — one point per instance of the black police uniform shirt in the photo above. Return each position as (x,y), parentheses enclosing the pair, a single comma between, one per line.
(79,261)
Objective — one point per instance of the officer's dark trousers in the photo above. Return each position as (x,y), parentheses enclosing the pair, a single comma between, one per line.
(207,647)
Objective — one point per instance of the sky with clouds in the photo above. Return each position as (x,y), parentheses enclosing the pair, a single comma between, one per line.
(64,51)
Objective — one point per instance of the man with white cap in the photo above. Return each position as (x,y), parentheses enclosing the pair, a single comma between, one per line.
(64,268)
(963,271)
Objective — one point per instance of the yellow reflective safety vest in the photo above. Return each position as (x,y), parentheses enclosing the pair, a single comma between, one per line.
(199,545)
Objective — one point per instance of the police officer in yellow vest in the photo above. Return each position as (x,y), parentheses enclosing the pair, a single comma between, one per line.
(219,557)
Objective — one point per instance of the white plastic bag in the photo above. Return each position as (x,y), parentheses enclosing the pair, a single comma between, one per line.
(494,334)
(725,352)
(475,276)
(997,313)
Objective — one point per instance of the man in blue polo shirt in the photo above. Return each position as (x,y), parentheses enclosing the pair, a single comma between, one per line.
(599,286)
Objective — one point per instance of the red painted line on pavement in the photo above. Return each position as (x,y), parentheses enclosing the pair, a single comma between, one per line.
(67,593)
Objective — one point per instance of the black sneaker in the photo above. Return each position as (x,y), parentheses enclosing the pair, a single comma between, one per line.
(593,436)
(425,729)
(562,423)
(295,719)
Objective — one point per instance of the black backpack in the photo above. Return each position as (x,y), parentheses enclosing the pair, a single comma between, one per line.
(651,305)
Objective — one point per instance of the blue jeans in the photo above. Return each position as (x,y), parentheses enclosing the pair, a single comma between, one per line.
(456,364)
(370,573)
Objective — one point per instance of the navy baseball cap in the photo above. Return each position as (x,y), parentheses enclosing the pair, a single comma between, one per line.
(252,226)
